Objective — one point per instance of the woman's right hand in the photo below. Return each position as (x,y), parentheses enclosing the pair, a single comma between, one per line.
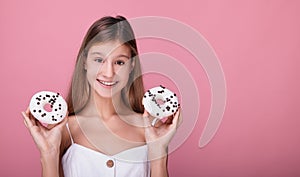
(47,139)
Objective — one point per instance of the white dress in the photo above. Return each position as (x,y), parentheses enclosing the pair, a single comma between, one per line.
(80,161)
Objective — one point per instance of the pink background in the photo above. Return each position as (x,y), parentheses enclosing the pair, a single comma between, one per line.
(257,43)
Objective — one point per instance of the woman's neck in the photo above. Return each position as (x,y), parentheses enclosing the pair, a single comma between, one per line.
(104,107)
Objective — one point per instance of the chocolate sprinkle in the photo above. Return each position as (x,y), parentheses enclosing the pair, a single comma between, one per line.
(162,91)
(168,108)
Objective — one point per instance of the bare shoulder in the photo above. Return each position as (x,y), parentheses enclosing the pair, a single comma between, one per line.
(66,137)
(72,122)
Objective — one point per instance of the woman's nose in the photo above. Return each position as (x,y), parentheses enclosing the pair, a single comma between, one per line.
(107,69)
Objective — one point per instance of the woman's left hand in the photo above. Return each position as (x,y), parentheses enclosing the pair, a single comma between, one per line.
(159,134)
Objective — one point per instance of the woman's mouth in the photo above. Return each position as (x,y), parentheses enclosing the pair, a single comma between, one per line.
(107,83)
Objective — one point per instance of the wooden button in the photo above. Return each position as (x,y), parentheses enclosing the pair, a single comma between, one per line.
(110,163)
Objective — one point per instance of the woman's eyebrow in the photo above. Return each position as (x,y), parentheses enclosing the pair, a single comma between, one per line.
(117,56)
(122,55)
(97,53)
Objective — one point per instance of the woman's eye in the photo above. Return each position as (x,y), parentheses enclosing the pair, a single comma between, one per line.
(99,60)
(120,62)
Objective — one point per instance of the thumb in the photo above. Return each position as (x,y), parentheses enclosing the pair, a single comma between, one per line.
(146,119)
(145,114)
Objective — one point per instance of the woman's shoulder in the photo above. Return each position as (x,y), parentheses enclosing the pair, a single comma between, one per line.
(72,121)
(66,133)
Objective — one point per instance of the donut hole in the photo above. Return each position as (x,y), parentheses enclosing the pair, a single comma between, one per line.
(47,107)
(160,101)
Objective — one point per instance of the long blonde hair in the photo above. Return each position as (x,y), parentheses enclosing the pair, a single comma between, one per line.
(103,30)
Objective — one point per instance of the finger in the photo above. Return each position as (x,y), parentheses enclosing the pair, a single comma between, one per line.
(146,119)
(150,120)
(25,123)
(30,116)
(146,114)
(50,126)
(180,118)
(157,122)
(28,113)
(27,120)
(169,120)
(176,121)
(40,125)
(154,122)
(27,110)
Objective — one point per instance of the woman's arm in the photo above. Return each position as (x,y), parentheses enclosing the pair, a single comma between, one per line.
(50,164)
(158,156)
(48,141)
(159,167)
(158,138)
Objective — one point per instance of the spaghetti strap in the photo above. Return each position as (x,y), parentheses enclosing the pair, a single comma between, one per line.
(67,125)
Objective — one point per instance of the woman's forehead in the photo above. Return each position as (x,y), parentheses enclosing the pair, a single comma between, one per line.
(109,48)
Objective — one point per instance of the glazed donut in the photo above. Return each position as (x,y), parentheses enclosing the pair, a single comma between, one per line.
(58,107)
(160,102)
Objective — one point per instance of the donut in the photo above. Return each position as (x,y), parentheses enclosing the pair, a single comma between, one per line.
(54,114)
(160,102)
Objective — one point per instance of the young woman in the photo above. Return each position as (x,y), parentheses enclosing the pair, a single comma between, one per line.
(107,132)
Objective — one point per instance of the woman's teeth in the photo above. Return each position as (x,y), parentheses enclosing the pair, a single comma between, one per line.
(108,83)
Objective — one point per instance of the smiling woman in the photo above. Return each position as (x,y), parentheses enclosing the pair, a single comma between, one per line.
(107,132)
(119,37)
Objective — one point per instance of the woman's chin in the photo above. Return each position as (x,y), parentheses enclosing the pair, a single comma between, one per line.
(108,94)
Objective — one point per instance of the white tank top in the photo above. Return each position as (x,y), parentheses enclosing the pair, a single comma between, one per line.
(80,161)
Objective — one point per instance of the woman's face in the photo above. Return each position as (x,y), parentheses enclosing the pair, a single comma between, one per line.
(108,66)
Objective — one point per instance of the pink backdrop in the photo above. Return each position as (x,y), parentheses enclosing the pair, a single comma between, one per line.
(257,43)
